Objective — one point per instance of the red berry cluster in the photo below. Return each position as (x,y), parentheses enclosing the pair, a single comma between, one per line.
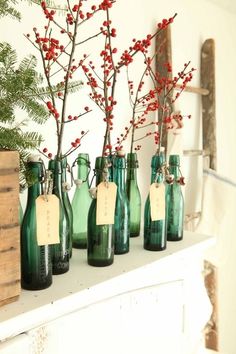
(50,46)
(49,14)
(49,154)
(138,147)
(53,110)
(105,5)
(165,23)
(75,143)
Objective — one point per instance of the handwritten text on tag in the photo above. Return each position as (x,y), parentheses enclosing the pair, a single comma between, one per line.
(106,201)
(47,217)
(157,201)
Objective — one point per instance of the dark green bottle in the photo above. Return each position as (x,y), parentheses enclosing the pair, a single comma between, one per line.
(81,203)
(122,225)
(174,203)
(133,194)
(154,231)
(67,202)
(21,213)
(100,237)
(36,266)
(61,251)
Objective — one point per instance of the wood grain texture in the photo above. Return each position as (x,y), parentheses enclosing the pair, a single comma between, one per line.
(9,227)
(208,101)
(164,55)
(211,329)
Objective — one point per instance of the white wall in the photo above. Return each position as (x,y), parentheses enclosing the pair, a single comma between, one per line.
(196,21)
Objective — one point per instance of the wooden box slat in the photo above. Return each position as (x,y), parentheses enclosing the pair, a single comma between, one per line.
(9,227)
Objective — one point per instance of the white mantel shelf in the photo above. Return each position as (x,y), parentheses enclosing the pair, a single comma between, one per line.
(84,285)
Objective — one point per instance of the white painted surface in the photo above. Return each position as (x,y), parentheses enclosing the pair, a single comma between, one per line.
(197,20)
(143,293)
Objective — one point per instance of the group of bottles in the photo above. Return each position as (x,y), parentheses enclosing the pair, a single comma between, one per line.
(77,224)
(168,227)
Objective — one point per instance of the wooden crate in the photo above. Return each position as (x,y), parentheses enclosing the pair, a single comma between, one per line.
(9,227)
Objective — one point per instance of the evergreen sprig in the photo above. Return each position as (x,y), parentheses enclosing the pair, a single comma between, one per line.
(6,9)
(18,87)
(18,90)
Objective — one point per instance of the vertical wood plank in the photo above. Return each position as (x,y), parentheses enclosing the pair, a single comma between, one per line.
(164,55)
(9,227)
(211,329)
(208,101)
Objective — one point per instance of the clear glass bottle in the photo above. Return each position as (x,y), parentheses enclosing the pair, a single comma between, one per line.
(122,215)
(36,265)
(133,194)
(154,231)
(174,202)
(100,237)
(81,203)
(61,251)
(67,202)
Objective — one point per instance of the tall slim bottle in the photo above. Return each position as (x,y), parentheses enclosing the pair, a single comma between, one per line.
(133,194)
(154,231)
(122,215)
(81,203)
(67,202)
(36,266)
(100,237)
(61,251)
(174,203)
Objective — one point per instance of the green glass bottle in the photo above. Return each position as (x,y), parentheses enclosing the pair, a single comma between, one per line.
(174,203)
(61,251)
(133,194)
(81,203)
(122,215)
(36,266)
(100,237)
(154,231)
(66,201)
(21,213)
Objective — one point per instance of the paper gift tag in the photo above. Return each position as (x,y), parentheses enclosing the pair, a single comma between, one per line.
(106,202)
(157,201)
(47,217)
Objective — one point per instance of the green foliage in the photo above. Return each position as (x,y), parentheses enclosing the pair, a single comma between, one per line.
(50,5)
(6,9)
(18,89)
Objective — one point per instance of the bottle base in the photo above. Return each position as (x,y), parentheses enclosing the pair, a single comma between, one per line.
(134,234)
(174,238)
(154,248)
(35,287)
(100,263)
(60,269)
(81,246)
(121,252)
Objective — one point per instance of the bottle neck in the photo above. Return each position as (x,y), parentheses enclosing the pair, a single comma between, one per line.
(63,170)
(132,173)
(174,170)
(158,162)
(102,170)
(119,178)
(156,176)
(57,178)
(37,188)
(132,165)
(82,172)
(174,165)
